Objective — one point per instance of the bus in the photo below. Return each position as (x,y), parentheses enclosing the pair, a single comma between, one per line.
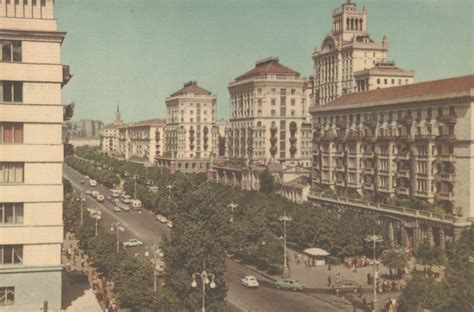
(92,182)
(115,193)
(127,199)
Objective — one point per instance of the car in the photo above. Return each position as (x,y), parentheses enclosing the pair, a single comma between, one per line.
(347,286)
(162,219)
(124,207)
(100,198)
(289,284)
(89,192)
(169,224)
(116,209)
(133,242)
(86,177)
(249,281)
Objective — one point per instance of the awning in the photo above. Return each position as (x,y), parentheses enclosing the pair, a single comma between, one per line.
(316,252)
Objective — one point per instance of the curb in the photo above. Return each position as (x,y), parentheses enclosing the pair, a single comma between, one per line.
(254,270)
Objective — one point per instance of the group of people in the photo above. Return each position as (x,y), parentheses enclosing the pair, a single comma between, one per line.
(391,305)
(308,262)
(356,262)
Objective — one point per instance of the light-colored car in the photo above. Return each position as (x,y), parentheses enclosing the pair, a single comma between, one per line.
(88,192)
(116,209)
(169,224)
(133,242)
(249,281)
(289,284)
(124,207)
(347,286)
(161,218)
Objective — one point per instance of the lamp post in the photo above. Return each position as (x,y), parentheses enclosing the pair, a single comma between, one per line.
(135,187)
(374,239)
(117,226)
(97,217)
(169,187)
(232,205)
(204,275)
(285,219)
(82,199)
(155,252)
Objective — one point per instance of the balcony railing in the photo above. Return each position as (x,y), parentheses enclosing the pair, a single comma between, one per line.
(406,120)
(448,119)
(386,137)
(403,173)
(354,136)
(405,137)
(419,137)
(447,138)
(369,186)
(368,155)
(405,156)
(449,196)
(403,191)
(369,170)
(446,177)
(447,158)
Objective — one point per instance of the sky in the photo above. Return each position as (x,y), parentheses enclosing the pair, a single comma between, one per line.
(135,53)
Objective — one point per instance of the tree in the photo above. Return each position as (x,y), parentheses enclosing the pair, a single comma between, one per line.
(266,182)
(428,255)
(395,259)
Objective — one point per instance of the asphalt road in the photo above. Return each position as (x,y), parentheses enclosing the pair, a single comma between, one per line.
(143,226)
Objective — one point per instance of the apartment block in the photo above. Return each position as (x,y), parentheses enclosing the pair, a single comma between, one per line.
(142,140)
(347,53)
(270,115)
(31,155)
(413,141)
(110,134)
(191,115)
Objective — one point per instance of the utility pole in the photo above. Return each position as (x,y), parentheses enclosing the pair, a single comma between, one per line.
(232,205)
(285,219)
(374,239)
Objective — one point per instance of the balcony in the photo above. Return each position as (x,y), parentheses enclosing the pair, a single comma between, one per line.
(340,169)
(340,154)
(66,75)
(447,158)
(405,137)
(370,138)
(447,138)
(406,120)
(371,123)
(449,196)
(328,136)
(383,189)
(368,155)
(369,170)
(352,169)
(424,137)
(354,136)
(448,119)
(342,124)
(405,156)
(403,191)
(353,184)
(369,186)
(403,173)
(340,183)
(446,177)
(386,138)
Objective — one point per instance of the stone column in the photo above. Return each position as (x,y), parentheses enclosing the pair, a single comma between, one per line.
(442,238)
(391,234)
(405,238)
(416,237)
(429,235)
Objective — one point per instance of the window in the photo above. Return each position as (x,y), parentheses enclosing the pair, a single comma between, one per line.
(11,213)
(378,80)
(293,91)
(11,132)
(11,91)
(273,102)
(11,172)
(385,81)
(7,296)
(293,102)
(11,254)
(273,113)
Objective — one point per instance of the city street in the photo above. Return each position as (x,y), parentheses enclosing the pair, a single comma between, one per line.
(143,226)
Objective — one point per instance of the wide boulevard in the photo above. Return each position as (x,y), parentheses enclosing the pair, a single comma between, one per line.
(142,225)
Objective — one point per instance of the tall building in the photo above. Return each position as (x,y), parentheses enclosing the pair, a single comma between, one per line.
(395,144)
(191,114)
(85,128)
(269,115)
(347,50)
(31,156)
(142,140)
(110,134)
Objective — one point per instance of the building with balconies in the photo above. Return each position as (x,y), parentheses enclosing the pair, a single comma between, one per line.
(190,126)
(413,141)
(31,155)
(110,134)
(348,60)
(269,119)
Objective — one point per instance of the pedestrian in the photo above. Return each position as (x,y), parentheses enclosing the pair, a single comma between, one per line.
(82,263)
(329,280)
(329,266)
(338,278)
(369,278)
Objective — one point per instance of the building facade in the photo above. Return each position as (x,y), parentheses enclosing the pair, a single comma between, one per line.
(406,142)
(79,142)
(347,50)
(191,115)
(269,116)
(142,140)
(110,134)
(31,156)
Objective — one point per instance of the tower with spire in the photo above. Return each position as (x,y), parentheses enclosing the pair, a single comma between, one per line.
(118,116)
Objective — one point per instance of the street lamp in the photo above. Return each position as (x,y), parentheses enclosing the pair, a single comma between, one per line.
(82,199)
(169,187)
(135,189)
(232,205)
(285,219)
(117,227)
(97,216)
(374,239)
(156,251)
(204,275)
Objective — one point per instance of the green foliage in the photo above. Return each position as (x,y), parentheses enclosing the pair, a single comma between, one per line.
(266,182)
(395,259)
(428,255)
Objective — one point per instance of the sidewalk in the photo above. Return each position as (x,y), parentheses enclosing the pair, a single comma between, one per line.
(78,295)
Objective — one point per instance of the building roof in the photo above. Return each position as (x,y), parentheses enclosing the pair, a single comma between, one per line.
(191,87)
(268,66)
(148,122)
(385,69)
(299,183)
(399,93)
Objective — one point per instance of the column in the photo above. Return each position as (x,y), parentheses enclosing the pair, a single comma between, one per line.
(442,238)
(405,237)
(416,237)
(391,234)
(429,235)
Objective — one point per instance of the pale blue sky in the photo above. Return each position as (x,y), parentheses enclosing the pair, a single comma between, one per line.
(137,52)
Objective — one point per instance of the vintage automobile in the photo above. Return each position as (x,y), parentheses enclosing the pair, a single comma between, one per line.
(249,281)
(347,286)
(133,242)
(289,284)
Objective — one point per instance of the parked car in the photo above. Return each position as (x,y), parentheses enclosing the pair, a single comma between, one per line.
(124,207)
(92,183)
(89,192)
(347,286)
(116,209)
(100,198)
(169,224)
(161,218)
(136,204)
(249,281)
(133,242)
(289,284)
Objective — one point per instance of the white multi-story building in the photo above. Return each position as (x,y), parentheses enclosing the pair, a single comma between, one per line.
(406,142)
(191,114)
(31,156)
(110,134)
(142,140)
(270,115)
(347,50)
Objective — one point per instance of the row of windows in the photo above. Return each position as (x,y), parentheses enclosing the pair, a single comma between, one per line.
(25,2)
(11,132)
(11,254)
(12,172)
(11,213)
